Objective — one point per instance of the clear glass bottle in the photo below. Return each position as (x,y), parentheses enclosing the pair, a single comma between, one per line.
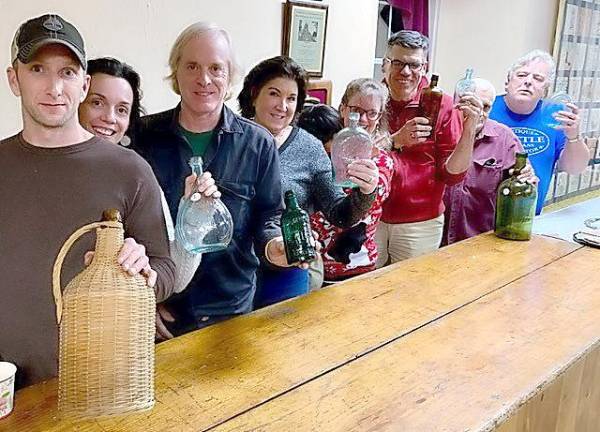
(297,234)
(464,85)
(515,205)
(430,101)
(550,107)
(204,224)
(349,144)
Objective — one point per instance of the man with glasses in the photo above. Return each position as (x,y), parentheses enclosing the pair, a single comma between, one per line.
(426,159)
(548,131)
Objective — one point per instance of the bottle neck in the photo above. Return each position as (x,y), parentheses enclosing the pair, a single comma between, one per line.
(469,74)
(196,165)
(434,81)
(353,120)
(520,163)
(291,203)
(109,242)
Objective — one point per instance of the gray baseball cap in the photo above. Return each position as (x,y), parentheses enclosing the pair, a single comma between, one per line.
(44,30)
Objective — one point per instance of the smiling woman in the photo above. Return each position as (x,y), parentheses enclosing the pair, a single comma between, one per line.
(112,111)
(112,107)
(273,92)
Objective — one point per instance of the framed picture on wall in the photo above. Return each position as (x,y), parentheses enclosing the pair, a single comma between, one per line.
(304,31)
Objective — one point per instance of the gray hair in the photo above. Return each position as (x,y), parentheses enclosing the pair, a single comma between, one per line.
(536,54)
(484,84)
(195,30)
(409,39)
(368,86)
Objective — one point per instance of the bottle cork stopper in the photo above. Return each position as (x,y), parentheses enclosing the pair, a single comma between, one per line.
(112,215)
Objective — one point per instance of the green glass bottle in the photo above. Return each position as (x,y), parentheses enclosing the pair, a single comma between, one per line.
(297,235)
(515,205)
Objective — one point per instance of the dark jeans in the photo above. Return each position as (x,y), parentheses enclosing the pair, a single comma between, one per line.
(185,322)
(274,286)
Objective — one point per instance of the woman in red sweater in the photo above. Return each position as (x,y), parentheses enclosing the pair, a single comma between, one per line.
(352,251)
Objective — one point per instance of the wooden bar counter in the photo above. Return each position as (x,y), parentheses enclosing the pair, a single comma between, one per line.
(480,335)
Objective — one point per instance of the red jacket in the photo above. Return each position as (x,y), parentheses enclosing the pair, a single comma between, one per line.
(420,174)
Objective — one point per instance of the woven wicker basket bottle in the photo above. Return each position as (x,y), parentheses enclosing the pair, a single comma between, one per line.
(106,318)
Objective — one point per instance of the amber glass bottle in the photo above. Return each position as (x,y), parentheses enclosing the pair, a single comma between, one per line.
(430,101)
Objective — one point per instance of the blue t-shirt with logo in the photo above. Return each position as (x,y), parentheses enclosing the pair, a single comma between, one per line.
(540,140)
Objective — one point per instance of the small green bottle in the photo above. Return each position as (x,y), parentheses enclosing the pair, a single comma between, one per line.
(297,234)
(515,205)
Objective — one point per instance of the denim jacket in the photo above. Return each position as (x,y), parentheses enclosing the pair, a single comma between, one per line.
(244,162)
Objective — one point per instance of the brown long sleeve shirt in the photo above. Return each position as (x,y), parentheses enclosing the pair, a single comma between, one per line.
(45,195)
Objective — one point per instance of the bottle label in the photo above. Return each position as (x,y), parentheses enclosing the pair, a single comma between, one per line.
(195,197)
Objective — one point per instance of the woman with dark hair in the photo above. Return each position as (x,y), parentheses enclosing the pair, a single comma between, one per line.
(112,108)
(273,91)
(112,111)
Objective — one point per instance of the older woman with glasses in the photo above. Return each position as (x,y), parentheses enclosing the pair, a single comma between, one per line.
(352,251)
(272,92)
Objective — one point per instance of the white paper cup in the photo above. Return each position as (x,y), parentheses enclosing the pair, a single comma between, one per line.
(7,388)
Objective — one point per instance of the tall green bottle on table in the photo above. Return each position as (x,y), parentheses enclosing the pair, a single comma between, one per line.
(515,205)
(297,235)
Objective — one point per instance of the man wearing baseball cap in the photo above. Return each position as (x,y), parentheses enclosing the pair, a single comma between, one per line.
(54,178)
(44,30)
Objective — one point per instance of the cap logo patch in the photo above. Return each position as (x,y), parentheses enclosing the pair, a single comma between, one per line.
(53,24)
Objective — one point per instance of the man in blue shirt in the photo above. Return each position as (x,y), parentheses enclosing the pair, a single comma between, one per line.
(548,132)
(243,160)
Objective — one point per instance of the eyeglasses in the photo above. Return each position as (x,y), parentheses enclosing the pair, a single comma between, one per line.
(399,65)
(371,114)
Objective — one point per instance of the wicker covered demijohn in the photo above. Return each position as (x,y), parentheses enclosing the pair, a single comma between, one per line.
(106,319)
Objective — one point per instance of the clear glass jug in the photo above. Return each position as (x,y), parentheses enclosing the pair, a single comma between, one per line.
(204,224)
(349,144)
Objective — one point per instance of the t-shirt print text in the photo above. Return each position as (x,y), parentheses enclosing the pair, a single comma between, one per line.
(534,140)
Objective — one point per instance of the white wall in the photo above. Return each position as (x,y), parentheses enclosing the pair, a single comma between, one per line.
(490,35)
(141,33)
(486,34)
